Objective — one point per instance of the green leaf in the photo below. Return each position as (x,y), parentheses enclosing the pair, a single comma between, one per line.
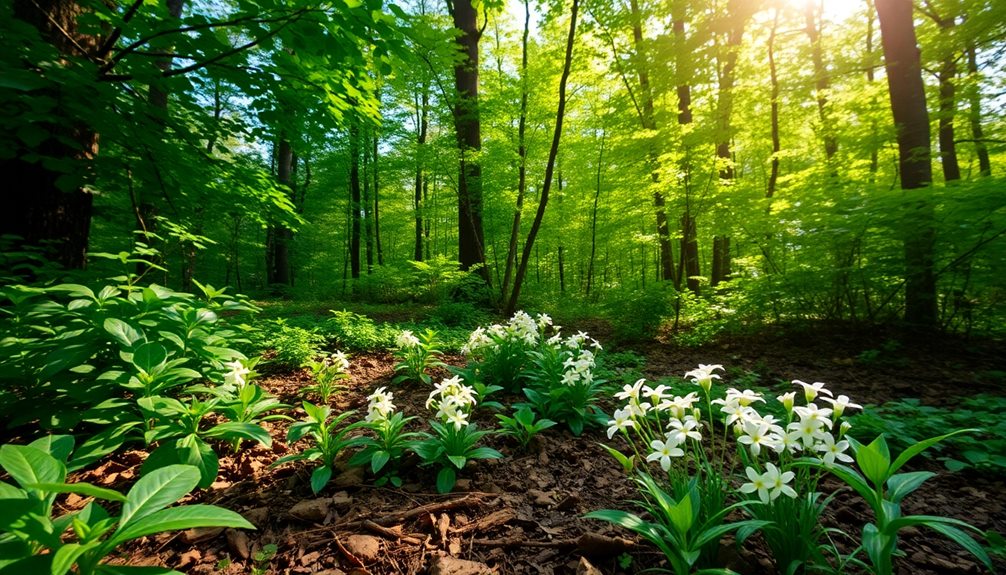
(58,446)
(66,556)
(148,356)
(484,453)
(80,489)
(178,518)
(902,484)
(626,462)
(378,460)
(28,465)
(964,540)
(235,429)
(874,460)
(157,490)
(446,480)
(320,477)
(458,460)
(921,446)
(122,332)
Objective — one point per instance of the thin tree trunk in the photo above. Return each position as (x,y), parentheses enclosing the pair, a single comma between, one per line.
(871,14)
(355,205)
(908,104)
(377,207)
(550,165)
(593,215)
(688,269)
(649,123)
(521,157)
(423,124)
(368,219)
(975,116)
(773,177)
(279,270)
(822,79)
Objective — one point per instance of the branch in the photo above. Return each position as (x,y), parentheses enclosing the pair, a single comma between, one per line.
(109,43)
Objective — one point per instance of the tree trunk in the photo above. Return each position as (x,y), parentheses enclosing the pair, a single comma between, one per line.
(355,204)
(45,208)
(593,215)
(467,127)
(822,80)
(278,270)
(649,123)
(975,116)
(688,269)
(908,104)
(549,166)
(368,220)
(511,254)
(423,125)
(773,177)
(947,77)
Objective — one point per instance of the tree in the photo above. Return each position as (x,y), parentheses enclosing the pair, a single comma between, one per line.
(911,118)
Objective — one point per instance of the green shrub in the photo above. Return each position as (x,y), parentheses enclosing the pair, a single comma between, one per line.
(292,346)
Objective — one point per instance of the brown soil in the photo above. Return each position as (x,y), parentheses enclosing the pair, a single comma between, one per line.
(523,514)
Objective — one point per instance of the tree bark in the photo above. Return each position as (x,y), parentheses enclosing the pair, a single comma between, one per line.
(355,204)
(773,177)
(649,123)
(366,206)
(45,208)
(822,80)
(278,270)
(549,166)
(908,105)
(423,126)
(975,116)
(467,127)
(377,206)
(688,270)
(511,255)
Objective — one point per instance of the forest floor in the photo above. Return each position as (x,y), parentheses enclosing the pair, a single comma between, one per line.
(523,513)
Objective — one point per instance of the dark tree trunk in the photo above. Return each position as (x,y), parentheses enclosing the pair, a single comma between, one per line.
(278,270)
(549,166)
(908,104)
(423,124)
(688,268)
(947,77)
(975,117)
(467,127)
(649,123)
(368,220)
(721,260)
(377,207)
(355,205)
(822,79)
(874,152)
(773,177)
(511,254)
(690,254)
(44,208)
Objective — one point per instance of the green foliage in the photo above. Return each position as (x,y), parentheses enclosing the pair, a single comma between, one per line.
(416,355)
(883,488)
(450,447)
(348,330)
(637,315)
(327,374)
(385,449)
(561,385)
(292,346)
(35,541)
(328,440)
(523,426)
(676,528)
(907,421)
(459,314)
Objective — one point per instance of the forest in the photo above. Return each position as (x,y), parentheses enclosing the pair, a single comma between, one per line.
(502,286)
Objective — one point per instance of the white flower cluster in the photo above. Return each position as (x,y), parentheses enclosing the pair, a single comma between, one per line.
(379,405)
(406,339)
(339,361)
(453,401)
(521,327)
(579,367)
(676,417)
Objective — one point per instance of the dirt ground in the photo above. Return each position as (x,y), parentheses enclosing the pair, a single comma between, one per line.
(523,513)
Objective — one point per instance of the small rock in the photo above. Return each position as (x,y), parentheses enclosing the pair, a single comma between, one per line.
(237,542)
(585,568)
(464,484)
(366,548)
(342,500)
(313,510)
(257,516)
(352,477)
(310,559)
(200,534)
(189,558)
(541,498)
(445,565)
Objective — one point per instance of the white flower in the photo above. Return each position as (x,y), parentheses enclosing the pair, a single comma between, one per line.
(756,483)
(840,404)
(655,394)
(787,400)
(664,451)
(757,435)
(832,450)
(813,412)
(777,482)
(810,390)
(683,430)
(808,431)
(237,375)
(340,361)
(406,340)
(622,421)
(746,397)
(704,376)
(631,391)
